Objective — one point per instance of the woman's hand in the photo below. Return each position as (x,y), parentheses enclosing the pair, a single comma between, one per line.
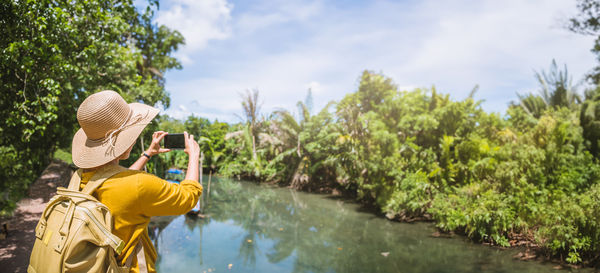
(154,147)
(191,146)
(193,150)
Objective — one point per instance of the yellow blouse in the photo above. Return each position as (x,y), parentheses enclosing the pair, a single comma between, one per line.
(133,197)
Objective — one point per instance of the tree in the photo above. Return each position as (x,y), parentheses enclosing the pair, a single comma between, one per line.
(54,54)
(251,107)
(288,133)
(532,104)
(590,120)
(420,155)
(307,143)
(556,90)
(211,137)
(556,87)
(587,22)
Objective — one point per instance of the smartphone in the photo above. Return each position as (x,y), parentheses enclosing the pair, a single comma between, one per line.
(174,141)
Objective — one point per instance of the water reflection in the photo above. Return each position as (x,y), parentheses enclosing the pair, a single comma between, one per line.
(254,228)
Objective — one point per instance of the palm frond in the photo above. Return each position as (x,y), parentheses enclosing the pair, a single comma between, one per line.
(235,134)
(263,137)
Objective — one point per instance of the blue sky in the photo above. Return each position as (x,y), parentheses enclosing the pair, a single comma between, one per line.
(283,48)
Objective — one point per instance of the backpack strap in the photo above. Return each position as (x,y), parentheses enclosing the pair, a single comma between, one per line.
(141,257)
(99,177)
(75,180)
(96,180)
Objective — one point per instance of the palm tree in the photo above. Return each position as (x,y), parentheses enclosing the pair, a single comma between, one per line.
(556,90)
(288,130)
(251,135)
(251,107)
(532,104)
(295,136)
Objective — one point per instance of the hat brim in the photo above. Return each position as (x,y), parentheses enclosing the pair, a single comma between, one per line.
(88,154)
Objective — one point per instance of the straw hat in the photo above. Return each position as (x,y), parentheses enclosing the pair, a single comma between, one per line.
(109,126)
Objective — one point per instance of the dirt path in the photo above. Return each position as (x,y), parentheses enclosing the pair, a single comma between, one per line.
(16,248)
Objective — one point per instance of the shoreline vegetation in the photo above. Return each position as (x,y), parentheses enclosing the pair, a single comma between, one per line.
(525,178)
(529,175)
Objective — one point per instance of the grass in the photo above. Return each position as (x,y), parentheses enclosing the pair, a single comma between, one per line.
(63,155)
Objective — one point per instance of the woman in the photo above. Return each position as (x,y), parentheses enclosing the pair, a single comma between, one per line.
(109,129)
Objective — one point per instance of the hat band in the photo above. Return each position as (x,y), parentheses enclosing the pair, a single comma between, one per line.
(111,136)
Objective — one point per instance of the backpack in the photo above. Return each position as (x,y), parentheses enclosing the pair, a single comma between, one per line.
(74,231)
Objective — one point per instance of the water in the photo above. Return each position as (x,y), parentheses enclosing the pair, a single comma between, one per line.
(255,228)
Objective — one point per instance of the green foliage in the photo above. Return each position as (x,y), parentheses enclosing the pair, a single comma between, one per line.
(210,136)
(14,177)
(587,22)
(482,214)
(54,54)
(532,104)
(556,91)
(556,87)
(211,139)
(63,155)
(590,120)
(419,155)
(415,154)
(244,158)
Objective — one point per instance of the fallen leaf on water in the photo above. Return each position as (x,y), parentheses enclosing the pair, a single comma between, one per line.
(385,254)
(210,270)
(249,241)
(280,229)
(339,248)
(229,266)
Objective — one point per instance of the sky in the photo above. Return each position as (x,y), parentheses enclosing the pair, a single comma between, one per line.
(284,47)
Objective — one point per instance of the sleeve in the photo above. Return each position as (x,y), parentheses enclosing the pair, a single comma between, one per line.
(158,197)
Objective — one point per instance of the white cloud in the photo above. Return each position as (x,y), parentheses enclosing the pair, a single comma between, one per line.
(209,98)
(498,45)
(271,13)
(454,45)
(198,21)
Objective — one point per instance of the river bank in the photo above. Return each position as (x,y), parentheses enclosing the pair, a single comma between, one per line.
(530,250)
(15,249)
(262,228)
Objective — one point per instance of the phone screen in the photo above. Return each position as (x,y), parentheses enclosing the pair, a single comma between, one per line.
(174,141)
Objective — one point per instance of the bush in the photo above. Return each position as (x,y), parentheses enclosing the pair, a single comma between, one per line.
(15,176)
(419,155)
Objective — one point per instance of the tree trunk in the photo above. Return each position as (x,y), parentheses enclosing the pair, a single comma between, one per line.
(253,147)
(298,148)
